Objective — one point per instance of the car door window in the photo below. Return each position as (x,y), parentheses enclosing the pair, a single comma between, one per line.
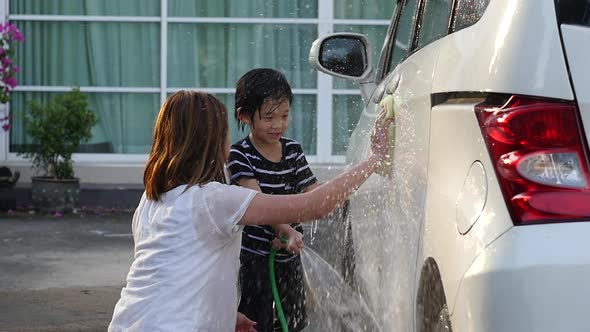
(403,36)
(573,12)
(468,12)
(435,21)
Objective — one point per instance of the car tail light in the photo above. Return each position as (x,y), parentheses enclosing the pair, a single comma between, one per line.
(538,149)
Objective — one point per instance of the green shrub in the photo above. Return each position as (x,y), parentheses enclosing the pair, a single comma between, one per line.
(56,130)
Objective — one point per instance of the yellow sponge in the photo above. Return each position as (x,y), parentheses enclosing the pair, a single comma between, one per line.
(386,168)
(388,104)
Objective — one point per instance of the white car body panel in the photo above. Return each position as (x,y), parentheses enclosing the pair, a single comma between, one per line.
(444,200)
(514,48)
(450,161)
(533,278)
(576,41)
(405,196)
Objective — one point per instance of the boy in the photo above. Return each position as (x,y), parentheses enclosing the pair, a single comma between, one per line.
(268,162)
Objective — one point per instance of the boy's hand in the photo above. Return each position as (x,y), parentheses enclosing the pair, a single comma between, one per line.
(294,239)
(243,324)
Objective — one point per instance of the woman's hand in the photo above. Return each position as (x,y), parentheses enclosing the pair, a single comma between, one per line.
(380,138)
(243,324)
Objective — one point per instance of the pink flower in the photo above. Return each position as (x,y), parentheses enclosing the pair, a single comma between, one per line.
(18,36)
(6,126)
(10,33)
(11,81)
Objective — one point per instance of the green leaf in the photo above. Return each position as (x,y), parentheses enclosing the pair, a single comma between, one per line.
(56,130)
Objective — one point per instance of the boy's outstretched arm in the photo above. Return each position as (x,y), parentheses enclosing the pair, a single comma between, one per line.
(295,239)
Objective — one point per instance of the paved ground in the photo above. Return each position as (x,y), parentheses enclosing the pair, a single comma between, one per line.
(65,273)
(62,273)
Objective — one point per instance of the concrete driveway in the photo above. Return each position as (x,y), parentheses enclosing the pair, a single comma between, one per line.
(66,273)
(62,273)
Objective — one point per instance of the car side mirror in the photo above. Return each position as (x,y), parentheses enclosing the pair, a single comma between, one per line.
(344,55)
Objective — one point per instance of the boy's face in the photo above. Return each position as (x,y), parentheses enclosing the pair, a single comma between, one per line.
(271,121)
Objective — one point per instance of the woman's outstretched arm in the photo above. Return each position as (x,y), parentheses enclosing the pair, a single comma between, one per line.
(283,209)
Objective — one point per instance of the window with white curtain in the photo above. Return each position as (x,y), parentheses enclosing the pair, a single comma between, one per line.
(128,56)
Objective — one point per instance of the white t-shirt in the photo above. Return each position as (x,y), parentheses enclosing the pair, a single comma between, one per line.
(184,276)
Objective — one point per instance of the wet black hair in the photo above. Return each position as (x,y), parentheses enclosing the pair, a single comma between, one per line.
(257,86)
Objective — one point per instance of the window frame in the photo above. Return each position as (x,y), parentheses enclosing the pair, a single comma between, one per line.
(413,41)
(325,23)
(385,62)
(449,22)
(387,50)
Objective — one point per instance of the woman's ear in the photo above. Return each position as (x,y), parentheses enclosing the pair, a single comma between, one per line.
(243,117)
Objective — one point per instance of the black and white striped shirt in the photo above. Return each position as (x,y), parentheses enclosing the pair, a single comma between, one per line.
(289,176)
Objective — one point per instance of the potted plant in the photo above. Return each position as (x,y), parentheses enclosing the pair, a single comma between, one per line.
(56,130)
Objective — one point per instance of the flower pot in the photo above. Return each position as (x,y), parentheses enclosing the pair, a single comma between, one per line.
(7,178)
(55,195)
(7,195)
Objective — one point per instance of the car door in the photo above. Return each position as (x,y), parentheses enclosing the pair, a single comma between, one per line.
(387,213)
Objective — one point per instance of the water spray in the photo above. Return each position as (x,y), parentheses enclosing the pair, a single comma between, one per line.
(388,104)
(361,308)
(337,307)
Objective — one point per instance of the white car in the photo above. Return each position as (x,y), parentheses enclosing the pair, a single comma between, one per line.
(481,222)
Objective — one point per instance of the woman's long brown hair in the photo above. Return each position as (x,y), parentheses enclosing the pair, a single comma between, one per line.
(188,146)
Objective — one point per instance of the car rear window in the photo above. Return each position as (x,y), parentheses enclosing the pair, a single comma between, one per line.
(575,12)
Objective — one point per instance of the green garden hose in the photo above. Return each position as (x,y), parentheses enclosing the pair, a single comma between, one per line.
(275,290)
